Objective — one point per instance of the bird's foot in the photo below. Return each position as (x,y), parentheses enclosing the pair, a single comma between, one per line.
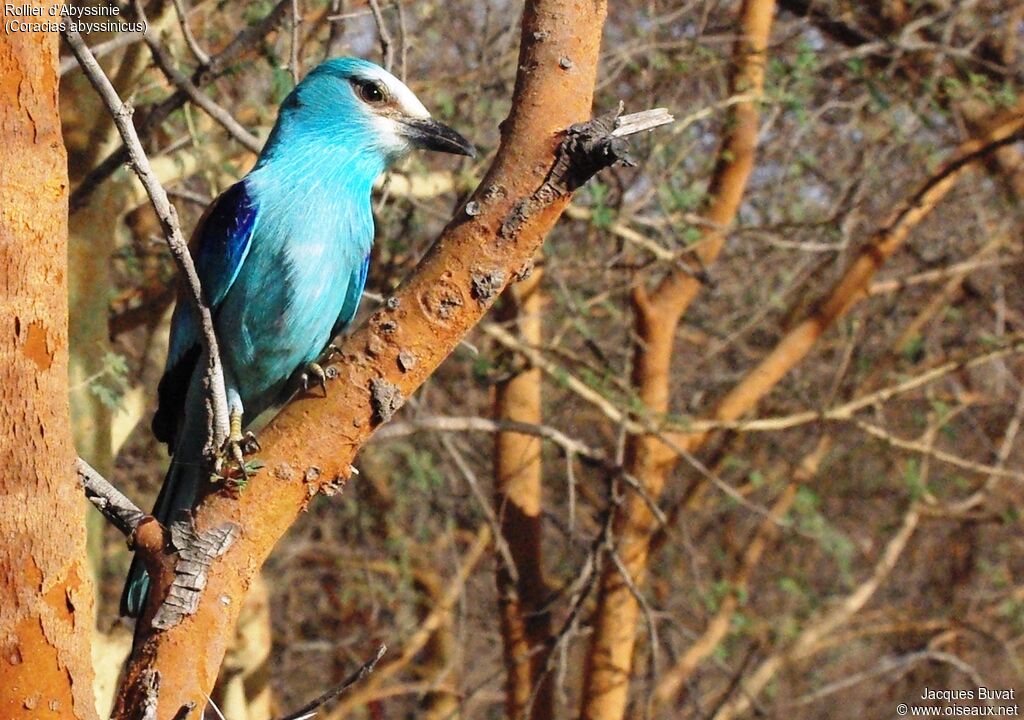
(315,375)
(233,467)
(248,444)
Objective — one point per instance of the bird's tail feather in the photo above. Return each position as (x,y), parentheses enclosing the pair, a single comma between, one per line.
(177,493)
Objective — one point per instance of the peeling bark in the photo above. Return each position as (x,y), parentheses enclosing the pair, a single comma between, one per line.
(45,586)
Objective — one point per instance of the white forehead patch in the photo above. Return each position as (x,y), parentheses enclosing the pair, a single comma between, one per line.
(406,100)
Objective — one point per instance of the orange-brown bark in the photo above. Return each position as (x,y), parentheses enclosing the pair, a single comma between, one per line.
(45,587)
(525,624)
(610,657)
(314,440)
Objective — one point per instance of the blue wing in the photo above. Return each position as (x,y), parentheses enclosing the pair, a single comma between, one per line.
(219,246)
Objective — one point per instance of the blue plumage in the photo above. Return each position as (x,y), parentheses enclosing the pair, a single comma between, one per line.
(283,257)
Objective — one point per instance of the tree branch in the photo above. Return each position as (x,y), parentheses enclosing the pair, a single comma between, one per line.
(111,502)
(312,442)
(214,381)
(309,709)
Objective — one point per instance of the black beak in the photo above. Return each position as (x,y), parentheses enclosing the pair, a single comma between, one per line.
(429,134)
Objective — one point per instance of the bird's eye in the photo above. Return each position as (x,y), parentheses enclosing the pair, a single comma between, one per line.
(370,91)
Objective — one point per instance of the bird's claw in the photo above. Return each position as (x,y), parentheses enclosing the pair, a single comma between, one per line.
(314,375)
(234,468)
(249,444)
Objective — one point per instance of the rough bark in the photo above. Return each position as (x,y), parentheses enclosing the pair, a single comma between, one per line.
(243,689)
(311,444)
(522,592)
(45,588)
(610,657)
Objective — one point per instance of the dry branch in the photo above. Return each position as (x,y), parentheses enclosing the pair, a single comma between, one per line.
(121,512)
(312,443)
(309,709)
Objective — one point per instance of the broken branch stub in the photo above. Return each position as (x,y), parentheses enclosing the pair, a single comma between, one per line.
(586,149)
(599,143)
(115,506)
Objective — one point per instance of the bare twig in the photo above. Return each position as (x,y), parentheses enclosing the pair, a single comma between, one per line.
(293,61)
(309,709)
(190,40)
(387,49)
(214,381)
(1002,455)
(474,485)
(204,101)
(67,64)
(336,29)
(403,40)
(569,446)
(941,455)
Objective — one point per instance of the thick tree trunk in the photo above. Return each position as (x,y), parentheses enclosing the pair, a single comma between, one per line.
(522,595)
(45,588)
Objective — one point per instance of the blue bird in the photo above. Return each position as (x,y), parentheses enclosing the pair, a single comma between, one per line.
(282,257)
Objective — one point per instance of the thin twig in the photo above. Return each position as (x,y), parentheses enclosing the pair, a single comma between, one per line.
(214,380)
(941,455)
(190,40)
(67,64)
(403,42)
(204,101)
(474,485)
(386,47)
(569,446)
(293,62)
(336,29)
(309,709)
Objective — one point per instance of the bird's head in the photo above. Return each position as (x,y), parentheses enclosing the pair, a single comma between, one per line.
(352,104)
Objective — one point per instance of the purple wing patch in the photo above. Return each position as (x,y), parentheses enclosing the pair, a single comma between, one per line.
(221,242)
